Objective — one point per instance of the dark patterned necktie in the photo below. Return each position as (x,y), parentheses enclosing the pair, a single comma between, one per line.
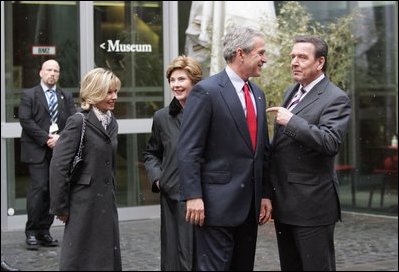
(53,106)
(251,115)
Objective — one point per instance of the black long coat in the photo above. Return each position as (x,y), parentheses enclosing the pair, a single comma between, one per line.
(91,237)
(160,160)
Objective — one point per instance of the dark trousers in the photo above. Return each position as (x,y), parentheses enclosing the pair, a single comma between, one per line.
(177,237)
(38,199)
(306,248)
(227,248)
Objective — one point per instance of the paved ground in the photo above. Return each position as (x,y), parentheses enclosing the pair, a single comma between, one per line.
(363,243)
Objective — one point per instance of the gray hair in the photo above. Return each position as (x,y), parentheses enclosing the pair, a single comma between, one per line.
(239,37)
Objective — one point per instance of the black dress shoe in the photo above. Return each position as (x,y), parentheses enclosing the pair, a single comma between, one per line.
(6,267)
(47,240)
(31,242)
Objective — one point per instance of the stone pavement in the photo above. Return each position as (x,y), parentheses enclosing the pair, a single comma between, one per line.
(363,243)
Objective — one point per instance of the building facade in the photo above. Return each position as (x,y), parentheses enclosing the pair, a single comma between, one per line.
(137,40)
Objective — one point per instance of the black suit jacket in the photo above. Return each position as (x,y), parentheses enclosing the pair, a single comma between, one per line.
(302,165)
(34,116)
(216,160)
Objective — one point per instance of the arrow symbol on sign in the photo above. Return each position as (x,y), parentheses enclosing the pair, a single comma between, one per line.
(102,45)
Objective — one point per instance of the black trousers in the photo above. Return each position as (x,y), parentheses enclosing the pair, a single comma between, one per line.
(227,248)
(306,248)
(38,199)
(177,237)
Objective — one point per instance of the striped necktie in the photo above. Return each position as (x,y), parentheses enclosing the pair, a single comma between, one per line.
(295,100)
(53,106)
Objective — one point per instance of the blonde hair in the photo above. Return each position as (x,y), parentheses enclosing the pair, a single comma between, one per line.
(188,64)
(95,86)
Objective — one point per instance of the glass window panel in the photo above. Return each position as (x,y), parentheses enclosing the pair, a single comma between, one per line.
(34,33)
(133,186)
(366,183)
(377,127)
(18,177)
(128,40)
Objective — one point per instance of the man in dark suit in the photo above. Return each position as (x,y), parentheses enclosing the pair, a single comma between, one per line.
(42,117)
(223,157)
(310,128)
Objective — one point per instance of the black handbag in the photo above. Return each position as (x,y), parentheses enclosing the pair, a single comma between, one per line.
(77,161)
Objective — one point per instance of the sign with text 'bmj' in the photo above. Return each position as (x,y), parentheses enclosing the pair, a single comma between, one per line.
(41,50)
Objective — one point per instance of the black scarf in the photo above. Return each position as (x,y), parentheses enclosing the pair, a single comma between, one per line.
(175,107)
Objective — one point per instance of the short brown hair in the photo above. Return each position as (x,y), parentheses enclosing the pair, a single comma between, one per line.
(188,64)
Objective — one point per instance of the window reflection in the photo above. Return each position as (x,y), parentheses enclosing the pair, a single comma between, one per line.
(30,24)
(133,187)
(128,40)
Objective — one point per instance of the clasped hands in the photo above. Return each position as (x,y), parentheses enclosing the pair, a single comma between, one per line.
(52,140)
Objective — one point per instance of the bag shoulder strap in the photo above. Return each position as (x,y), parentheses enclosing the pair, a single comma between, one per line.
(82,134)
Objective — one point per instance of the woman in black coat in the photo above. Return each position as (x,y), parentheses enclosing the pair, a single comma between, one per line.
(87,205)
(160,158)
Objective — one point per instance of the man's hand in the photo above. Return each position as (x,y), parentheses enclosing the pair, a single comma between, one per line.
(265,211)
(283,115)
(52,140)
(195,211)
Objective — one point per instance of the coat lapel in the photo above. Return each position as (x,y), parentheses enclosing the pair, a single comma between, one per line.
(96,124)
(112,127)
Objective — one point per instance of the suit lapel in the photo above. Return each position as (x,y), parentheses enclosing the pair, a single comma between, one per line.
(61,101)
(309,99)
(233,103)
(41,96)
(278,129)
(312,96)
(306,101)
